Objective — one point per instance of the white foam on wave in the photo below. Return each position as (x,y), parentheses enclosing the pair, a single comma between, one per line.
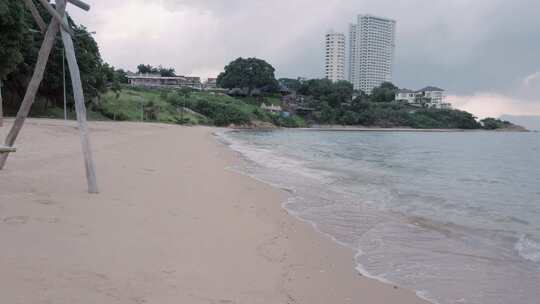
(270,159)
(422,294)
(360,268)
(305,185)
(528,248)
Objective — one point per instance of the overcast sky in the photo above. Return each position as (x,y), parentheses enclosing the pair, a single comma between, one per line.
(486,53)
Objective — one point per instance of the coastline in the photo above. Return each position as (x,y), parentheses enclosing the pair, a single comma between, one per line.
(332,128)
(171,224)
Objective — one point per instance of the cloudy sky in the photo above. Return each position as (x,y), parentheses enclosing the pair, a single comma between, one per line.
(486,53)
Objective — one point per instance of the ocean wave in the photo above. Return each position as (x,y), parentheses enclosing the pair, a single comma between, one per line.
(403,235)
(270,159)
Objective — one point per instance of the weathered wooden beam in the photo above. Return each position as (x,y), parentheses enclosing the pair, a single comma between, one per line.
(57,16)
(80,4)
(79,107)
(1,106)
(33,86)
(5,149)
(35,13)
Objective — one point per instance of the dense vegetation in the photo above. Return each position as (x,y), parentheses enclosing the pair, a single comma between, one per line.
(184,106)
(11,36)
(248,74)
(338,103)
(19,46)
(148,69)
(495,124)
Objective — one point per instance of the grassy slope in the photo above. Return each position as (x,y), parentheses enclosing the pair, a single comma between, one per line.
(130,103)
(219,109)
(154,105)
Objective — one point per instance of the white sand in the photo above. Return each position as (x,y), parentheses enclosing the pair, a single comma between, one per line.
(171,225)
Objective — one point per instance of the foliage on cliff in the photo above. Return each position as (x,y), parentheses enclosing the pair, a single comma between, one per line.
(19,46)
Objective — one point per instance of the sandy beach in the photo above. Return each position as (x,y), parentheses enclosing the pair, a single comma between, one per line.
(171,225)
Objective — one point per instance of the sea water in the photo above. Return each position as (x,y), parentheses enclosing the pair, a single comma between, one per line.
(454,216)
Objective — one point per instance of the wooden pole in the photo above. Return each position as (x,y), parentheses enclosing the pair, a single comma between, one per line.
(35,13)
(33,86)
(79,106)
(80,4)
(57,16)
(1,106)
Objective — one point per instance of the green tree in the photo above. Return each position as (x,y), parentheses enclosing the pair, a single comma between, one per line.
(334,94)
(494,123)
(341,92)
(12,31)
(121,76)
(166,72)
(318,88)
(19,49)
(146,69)
(386,92)
(291,84)
(116,88)
(250,74)
(446,118)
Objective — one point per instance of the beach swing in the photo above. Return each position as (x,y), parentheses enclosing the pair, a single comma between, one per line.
(59,23)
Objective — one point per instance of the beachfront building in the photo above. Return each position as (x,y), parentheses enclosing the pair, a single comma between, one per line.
(428,97)
(334,56)
(371,52)
(157,81)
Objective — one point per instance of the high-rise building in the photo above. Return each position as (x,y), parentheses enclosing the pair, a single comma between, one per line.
(335,56)
(371,46)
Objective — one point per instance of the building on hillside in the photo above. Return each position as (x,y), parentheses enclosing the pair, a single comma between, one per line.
(428,97)
(284,90)
(153,80)
(335,56)
(406,95)
(271,108)
(210,84)
(157,81)
(192,82)
(371,52)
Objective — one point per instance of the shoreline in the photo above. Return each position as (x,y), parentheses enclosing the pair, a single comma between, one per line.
(156,233)
(355,252)
(356,129)
(380,129)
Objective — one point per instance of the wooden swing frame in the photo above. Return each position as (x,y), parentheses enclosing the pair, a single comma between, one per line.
(59,22)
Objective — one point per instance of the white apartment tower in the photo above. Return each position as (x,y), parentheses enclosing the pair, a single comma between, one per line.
(335,56)
(372,44)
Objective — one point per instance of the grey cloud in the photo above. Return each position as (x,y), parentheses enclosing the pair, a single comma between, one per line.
(464,46)
(213,6)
